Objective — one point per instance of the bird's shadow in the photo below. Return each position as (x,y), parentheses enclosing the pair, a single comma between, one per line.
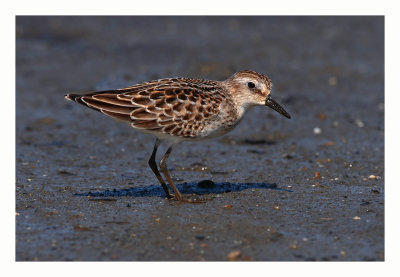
(201,188)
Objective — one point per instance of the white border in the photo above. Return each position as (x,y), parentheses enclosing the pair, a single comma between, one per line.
(281,7)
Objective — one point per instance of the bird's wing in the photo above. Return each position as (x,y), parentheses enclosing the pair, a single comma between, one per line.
(173,106)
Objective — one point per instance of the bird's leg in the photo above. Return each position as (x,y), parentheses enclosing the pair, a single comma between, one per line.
(153,166)
(178,196)
(163,166)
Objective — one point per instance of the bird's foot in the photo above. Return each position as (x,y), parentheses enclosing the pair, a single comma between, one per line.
(194,198)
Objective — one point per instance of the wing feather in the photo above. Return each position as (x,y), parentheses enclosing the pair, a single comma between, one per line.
(177,106)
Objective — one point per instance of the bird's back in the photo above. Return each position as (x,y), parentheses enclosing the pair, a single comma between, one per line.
(180,107)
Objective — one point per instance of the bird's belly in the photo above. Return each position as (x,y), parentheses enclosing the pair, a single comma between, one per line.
(218,128)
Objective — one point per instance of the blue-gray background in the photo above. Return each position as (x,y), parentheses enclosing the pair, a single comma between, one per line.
(328,72)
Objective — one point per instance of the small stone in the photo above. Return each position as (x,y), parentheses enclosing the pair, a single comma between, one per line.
(342,253)
(317,130)
(317,175)
(228,206)
(356,218)
(293,245)
(359,123)
(234,255)
(276,207)
(373,177)
(206,184)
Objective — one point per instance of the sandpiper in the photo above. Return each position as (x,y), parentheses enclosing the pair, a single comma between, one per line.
(183,109)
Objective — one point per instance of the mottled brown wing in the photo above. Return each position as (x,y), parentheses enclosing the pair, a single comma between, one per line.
(172,106)
(113,102)
(178,108)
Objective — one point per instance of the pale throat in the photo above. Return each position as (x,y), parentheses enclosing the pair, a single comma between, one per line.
(243,103)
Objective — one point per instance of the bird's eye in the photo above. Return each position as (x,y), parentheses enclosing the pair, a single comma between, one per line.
(251,85)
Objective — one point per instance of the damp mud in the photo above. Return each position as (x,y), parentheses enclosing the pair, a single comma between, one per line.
(306,189)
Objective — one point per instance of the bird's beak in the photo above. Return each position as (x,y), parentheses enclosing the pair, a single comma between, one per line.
(269,102)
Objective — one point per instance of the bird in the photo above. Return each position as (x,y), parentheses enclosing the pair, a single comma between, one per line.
(182,109)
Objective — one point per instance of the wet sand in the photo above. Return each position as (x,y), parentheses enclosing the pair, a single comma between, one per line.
(280,190)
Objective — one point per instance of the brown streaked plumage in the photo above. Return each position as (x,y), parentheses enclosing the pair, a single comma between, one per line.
(182,109)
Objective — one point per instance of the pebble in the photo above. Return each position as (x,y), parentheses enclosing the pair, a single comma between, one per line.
(359,123)
(317,130)
(373,177)
(206,184)
(234,255)
(356,218)
(317,175)
(228,206)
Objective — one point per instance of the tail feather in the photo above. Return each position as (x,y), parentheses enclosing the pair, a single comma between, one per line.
(75,97)
(104,102)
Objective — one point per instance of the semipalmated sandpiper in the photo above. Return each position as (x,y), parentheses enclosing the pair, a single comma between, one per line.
(182,109)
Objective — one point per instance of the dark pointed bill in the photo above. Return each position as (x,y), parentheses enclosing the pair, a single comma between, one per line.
(269,102)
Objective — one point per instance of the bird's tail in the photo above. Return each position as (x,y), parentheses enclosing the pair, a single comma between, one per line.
(75,97)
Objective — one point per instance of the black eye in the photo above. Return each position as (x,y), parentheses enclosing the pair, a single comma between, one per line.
(251,85)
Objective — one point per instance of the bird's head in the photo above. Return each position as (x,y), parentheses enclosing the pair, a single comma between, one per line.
(250,88)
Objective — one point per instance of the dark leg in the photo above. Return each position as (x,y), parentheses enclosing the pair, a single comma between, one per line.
(153,166)
(178,196)
(163,166)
